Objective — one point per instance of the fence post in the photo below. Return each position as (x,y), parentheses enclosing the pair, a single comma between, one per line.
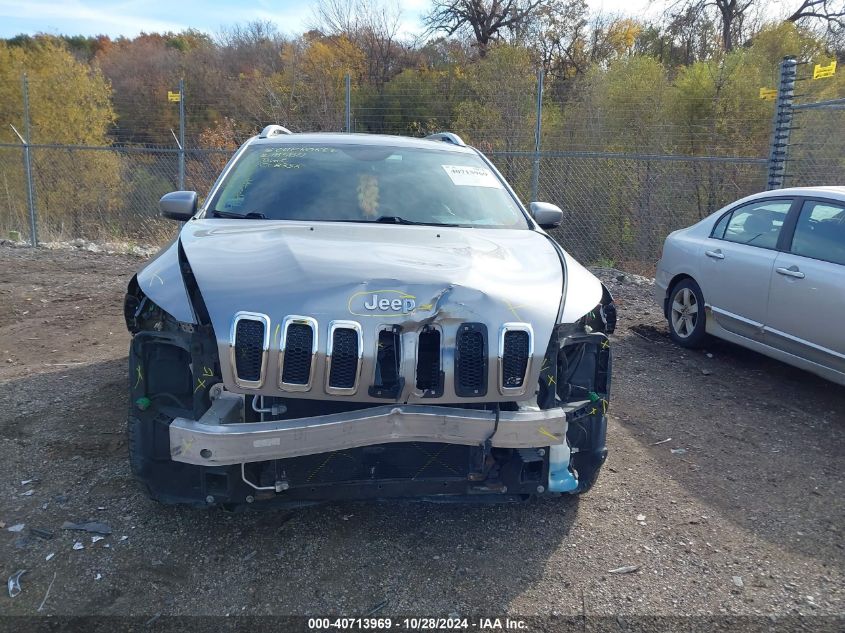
(535,171)
(781,124)
(181,135)
(27,161)
(348,82)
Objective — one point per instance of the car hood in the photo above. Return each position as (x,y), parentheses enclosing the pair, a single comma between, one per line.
(334,271)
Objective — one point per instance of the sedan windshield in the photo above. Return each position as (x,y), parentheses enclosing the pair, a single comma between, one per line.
(360,183)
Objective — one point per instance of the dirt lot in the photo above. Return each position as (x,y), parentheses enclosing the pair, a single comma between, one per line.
(750,519)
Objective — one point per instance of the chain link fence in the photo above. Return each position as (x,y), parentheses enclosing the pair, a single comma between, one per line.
(101,194)
(618,205)
(807,146)
(816,152)
(618,208)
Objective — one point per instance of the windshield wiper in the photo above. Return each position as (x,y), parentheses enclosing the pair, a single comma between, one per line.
(252,215)
(395,219)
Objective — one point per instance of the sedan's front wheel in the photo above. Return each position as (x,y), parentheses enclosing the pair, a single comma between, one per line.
(686,314)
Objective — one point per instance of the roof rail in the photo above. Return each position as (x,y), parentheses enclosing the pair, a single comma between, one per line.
(447,137)
(273,130)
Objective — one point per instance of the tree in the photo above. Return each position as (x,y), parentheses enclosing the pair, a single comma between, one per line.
(557,32)
(245,49)
(732,14)
(141,71)
(686,38)
(70,103)
(373,25)
(417,102)
(230,80)
(829,11)
(612,38)
(485,19)
(309,92)
(499,112)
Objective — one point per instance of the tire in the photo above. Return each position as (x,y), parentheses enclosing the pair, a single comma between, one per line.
(685,314)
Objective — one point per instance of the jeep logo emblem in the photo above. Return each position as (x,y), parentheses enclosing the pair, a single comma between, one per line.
(403,305)
(382,303)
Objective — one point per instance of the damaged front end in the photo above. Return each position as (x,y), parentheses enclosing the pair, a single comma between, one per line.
(406,425)
(173,366)
(577,378)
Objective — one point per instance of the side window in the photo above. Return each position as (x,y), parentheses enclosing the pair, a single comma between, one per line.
(820,232)
(721,225)
(756,223)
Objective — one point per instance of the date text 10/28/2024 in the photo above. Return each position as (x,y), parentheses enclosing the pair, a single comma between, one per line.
(416,624)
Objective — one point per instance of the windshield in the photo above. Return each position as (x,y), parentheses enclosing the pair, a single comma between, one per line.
(359,183)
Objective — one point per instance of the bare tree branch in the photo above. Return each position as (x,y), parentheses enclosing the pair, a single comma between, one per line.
(486,19)
(825,10)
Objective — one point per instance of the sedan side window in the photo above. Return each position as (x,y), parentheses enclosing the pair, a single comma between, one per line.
(820,232)
(756,223)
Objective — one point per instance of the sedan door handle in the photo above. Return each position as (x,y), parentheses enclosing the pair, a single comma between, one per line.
(792,271)
(717,254)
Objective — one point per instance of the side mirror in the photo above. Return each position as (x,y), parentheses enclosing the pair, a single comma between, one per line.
(178,205)
(547,215)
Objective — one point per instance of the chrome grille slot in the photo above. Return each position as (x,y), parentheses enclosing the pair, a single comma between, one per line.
(388,381)
(299,346)
(249,337)
(343,357)
(248,345)
(471,360)
(429,371)
(516,346)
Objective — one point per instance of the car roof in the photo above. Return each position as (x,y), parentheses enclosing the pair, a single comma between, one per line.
(374,140)
(835,192)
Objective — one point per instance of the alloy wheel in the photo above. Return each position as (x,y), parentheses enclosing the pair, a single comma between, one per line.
(684,312)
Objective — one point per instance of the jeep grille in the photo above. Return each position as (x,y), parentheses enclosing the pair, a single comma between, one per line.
(249,337)
(249,344)
(344,359)
(298,350)
(514,359)
(471,360)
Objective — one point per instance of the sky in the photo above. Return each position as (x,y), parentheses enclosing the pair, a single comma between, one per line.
(130,17)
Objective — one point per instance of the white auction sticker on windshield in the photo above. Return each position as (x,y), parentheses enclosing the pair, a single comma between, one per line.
(472,176)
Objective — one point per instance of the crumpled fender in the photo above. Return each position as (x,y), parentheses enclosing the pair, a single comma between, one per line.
(161,280)
(583,290)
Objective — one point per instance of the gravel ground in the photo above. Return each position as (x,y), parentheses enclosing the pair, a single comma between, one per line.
(724,486)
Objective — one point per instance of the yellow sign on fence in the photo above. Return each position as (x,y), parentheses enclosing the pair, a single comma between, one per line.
(820,72)
(174,96)
(769,94)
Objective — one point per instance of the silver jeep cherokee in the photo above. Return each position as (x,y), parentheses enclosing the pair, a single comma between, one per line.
(357,317)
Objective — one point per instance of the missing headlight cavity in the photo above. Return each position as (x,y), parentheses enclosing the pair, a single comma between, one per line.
(168,369)
(576,368)
(429,372)
(584,368)
(388,381)
(160,372)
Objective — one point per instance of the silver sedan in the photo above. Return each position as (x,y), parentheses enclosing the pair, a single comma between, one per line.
(766,272)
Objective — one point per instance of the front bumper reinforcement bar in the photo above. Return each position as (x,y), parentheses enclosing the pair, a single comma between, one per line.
(211,441)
